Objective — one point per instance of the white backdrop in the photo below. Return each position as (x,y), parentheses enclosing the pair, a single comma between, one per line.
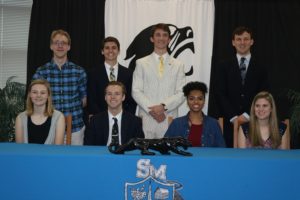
(125,19)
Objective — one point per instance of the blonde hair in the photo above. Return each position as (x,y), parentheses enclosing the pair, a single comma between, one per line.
(60,32)
(254,130)
(49,106)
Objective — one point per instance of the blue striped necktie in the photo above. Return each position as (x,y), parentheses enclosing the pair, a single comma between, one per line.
(243,69)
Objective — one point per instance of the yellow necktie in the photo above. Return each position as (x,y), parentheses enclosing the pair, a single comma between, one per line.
(161,66)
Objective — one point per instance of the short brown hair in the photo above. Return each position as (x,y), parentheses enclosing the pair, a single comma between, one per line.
(118,84)
(110,39)
(240,30)
(60,32)
(161,26)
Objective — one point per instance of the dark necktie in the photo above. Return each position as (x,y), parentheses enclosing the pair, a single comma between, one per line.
(243,69)
(112,76)
(115,132)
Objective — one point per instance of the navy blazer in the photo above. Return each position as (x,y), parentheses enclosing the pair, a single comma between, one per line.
(96,84)
(98,130)
(233,97)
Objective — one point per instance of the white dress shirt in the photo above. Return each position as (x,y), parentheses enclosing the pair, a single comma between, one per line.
(116,69)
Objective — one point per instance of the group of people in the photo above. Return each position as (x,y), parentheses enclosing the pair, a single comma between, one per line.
(158,87)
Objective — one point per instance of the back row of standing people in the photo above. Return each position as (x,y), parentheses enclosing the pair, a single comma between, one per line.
(156,84)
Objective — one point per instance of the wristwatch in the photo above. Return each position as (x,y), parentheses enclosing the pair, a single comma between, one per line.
(164,105)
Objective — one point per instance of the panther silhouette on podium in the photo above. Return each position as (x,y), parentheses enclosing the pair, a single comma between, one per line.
(164,146)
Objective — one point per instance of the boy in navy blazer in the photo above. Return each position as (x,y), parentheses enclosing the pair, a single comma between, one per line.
(99,131)
(235,90)
(111,70)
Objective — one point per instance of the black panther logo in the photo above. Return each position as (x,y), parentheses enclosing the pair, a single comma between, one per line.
(164,146)
(181,40)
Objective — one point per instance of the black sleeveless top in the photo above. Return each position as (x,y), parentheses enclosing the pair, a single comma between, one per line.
(38,133)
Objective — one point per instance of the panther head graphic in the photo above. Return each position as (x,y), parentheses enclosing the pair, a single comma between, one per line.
(181,40)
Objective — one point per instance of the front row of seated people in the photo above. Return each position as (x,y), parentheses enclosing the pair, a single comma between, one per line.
(41,123)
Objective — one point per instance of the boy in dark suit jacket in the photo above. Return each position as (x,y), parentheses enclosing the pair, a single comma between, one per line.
(111,70)
(239,80)
(115,123)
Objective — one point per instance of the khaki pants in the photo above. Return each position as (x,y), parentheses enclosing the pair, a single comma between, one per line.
(77,137)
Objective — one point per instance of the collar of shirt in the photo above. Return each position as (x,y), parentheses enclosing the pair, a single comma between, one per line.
(247,60)
(116,69)
(157,56)
(111,123)
(118,116)
(53,64)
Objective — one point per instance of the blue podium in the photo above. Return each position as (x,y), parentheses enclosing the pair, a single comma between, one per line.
(45,172)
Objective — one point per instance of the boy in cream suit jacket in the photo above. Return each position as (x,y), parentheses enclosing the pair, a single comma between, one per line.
(157,85)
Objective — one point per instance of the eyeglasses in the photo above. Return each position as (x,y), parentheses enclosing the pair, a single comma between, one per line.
(60,43)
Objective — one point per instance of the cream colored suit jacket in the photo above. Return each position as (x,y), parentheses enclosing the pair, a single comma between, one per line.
(149,89)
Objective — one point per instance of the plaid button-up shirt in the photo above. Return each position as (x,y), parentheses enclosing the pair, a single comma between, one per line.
(68,87)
